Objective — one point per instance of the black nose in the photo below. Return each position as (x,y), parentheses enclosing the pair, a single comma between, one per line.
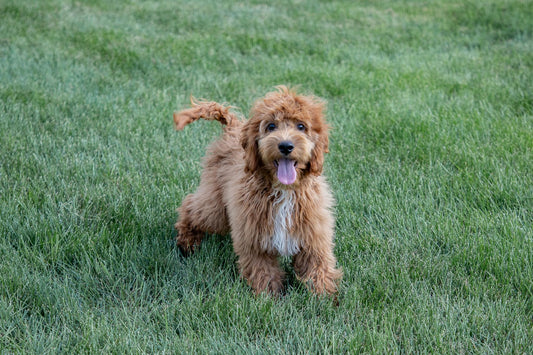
(286,147)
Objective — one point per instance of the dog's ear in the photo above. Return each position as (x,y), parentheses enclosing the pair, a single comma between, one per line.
(252,159)
(317,155)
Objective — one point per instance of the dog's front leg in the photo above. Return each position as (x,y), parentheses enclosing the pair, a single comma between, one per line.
(261,271)
(316,269)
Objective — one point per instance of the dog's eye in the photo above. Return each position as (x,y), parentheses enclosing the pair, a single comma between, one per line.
(300,127)
(270,127)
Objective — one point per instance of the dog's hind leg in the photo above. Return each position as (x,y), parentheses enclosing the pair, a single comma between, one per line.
(200,213)
(188,238)
(189,234)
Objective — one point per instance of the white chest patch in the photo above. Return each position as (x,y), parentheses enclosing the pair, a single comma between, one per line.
(283,208)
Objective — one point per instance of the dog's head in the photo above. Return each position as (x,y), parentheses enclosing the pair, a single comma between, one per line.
(286,136)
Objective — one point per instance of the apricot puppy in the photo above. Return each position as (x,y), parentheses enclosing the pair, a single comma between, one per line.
(262,182)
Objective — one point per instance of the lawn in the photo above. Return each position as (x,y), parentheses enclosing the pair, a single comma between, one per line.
(431,163)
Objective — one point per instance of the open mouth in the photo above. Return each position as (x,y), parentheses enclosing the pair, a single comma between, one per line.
(286,170)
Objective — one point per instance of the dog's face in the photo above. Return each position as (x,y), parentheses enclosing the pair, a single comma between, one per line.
(286,136)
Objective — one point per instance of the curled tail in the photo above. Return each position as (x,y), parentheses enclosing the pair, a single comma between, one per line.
(208,110)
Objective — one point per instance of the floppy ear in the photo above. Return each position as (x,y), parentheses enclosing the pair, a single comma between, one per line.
(252,160)
(317,155)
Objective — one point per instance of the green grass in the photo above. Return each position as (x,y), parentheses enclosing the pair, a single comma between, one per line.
(431,163)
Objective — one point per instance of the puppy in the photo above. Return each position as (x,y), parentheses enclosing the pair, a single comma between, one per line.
(262,182)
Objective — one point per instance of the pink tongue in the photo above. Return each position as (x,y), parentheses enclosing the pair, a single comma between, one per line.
(286,171)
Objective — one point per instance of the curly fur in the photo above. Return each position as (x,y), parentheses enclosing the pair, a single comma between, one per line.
(273,201)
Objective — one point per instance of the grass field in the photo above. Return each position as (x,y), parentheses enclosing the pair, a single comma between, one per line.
(431,163)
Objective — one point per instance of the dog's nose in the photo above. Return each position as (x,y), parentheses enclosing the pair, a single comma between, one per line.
(286,147)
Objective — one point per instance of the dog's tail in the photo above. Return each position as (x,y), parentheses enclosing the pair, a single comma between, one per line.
(208,110)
